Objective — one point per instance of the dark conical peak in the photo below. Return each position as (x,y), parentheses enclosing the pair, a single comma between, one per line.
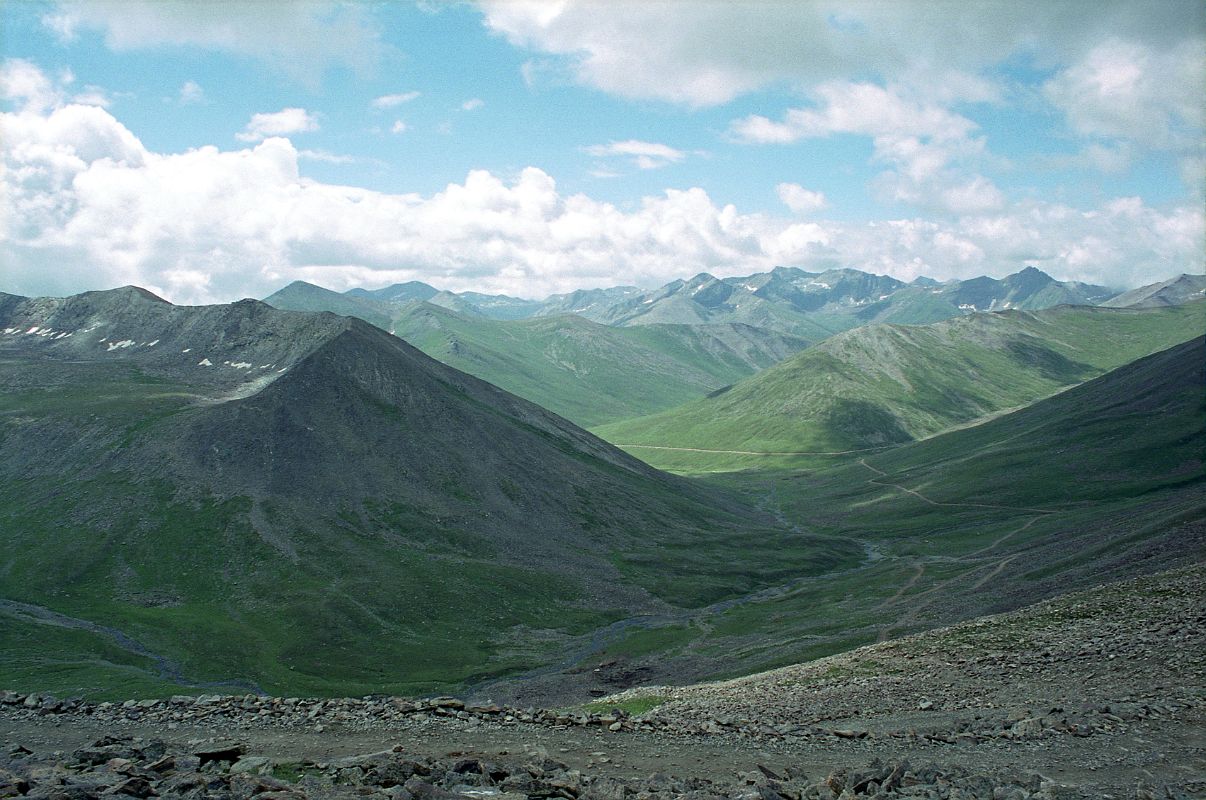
(1032,273)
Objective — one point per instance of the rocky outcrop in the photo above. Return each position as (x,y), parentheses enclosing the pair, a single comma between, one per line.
(131,767)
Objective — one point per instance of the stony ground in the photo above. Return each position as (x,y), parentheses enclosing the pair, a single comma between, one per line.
(1097,694)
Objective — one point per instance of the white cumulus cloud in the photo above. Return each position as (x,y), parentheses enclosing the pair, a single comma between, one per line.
(930,151)
(84,204)
(1124,94)
(279,123)
(393,100)
(191,93)
(1126,90)
(643,155)
(799,199)
(860,108)
(23,81)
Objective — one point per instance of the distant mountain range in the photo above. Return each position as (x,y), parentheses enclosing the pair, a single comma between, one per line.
(599,356)
(306,502)
(808,304)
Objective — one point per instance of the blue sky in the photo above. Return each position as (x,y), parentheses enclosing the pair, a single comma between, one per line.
(211,151)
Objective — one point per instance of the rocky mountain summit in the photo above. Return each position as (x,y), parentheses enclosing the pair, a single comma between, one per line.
(214,347)
(1174,291)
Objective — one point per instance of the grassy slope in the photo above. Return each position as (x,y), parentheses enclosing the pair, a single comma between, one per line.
(194,582)
(592,373)
(586,372)
(1118,461)
(302,296)
(885,385)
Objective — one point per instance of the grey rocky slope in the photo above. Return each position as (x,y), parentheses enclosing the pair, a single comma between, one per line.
(1123,651)
(1172,292)
(135,767)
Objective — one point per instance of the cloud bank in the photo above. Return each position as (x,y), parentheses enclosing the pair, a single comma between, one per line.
(330,34)
(703,54)
(84,204)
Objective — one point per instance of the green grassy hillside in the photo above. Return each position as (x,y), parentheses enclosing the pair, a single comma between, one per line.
(592,373)
(885,385)
(302,296)
(1102,482)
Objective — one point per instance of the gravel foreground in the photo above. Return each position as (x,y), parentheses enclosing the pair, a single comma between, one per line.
(1095,694)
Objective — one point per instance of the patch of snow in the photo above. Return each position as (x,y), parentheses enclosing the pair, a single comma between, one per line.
(238,364)
(9,331)
(205,362)
(34,329)
(64,335)
(822,284)
(185,350)
(119,345)
(152,344)
(968,307)
(647,302)
(282,369)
